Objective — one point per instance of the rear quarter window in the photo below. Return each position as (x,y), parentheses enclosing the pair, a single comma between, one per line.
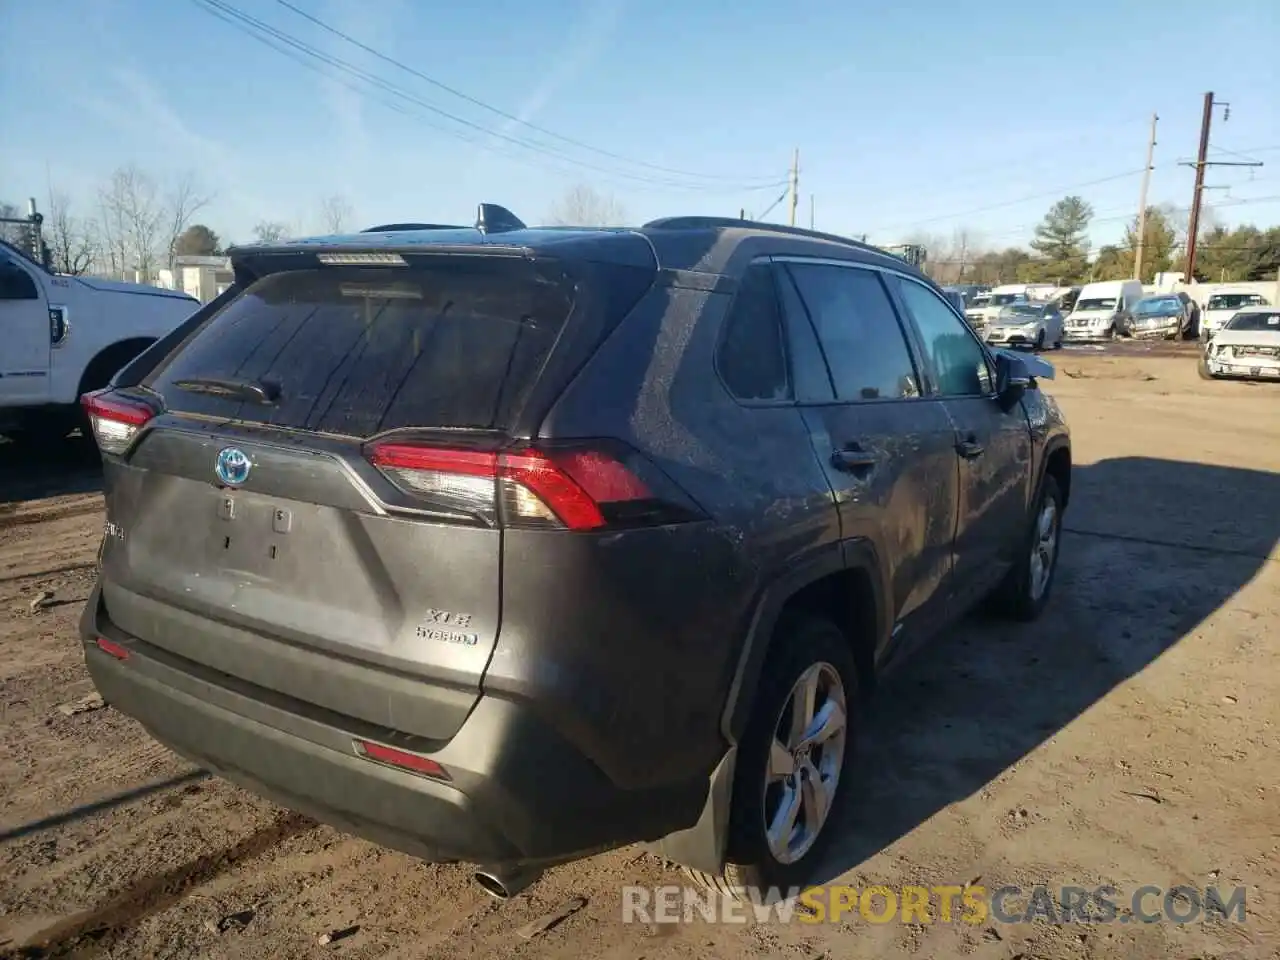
(358,351)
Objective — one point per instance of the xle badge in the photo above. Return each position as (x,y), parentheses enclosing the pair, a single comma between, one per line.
(447,627)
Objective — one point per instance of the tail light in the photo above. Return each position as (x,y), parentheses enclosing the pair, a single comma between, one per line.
(115,420)
(580,487)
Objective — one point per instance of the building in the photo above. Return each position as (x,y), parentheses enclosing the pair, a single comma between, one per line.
(202,277)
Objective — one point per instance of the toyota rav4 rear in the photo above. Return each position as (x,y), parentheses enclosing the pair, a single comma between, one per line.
(341,570)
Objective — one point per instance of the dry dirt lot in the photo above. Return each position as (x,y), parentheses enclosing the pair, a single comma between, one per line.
(1132,737)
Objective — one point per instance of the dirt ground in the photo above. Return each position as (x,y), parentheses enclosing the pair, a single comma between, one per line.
(1131,737)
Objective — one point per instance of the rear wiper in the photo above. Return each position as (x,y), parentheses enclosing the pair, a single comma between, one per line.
(259,391)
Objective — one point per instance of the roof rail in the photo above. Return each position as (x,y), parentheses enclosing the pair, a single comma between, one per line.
(712,223)
(399,227)
(491,218)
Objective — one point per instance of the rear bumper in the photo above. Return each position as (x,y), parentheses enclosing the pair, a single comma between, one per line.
(518,793)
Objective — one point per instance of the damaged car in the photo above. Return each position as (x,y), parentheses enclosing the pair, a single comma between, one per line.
(1248,345)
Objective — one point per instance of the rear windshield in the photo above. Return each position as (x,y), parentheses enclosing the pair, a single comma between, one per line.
(357,351)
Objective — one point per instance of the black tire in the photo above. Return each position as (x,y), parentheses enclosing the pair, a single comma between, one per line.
(799,643)
(1015,598)
(1039,341)
(1202,368)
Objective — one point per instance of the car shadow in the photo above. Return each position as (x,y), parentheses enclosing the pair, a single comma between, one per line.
(980,699)
(47,467)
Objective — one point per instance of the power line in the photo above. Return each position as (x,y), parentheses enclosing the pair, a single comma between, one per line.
(1057,191)
(898,227)
(257,28)
(475,101)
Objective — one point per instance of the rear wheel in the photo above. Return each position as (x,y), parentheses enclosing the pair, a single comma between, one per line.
(791,762)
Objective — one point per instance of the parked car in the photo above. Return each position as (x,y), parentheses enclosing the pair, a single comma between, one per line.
(983,315)
(1247,345)
(1027,325)
(1164,317)
(1066,302)
(1102,309)
(472,542)
(1221,307)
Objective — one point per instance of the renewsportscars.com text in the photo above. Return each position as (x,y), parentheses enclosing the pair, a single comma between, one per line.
(937,904)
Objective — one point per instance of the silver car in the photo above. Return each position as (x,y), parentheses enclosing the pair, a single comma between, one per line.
(1026,325)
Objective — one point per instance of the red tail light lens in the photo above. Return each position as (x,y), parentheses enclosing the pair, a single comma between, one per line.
(115,420)
(574,488)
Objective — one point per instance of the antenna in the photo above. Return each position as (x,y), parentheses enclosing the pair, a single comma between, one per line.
(492,218)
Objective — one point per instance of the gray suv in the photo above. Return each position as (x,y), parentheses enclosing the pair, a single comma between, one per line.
(510,546)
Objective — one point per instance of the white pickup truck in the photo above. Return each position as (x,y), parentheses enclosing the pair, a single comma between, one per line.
(62,336)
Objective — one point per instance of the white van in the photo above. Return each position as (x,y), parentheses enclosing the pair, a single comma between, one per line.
(1099,309)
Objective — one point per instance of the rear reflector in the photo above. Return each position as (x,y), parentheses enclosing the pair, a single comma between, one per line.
(112,649)
(401,759)
(115,420)
(575,489)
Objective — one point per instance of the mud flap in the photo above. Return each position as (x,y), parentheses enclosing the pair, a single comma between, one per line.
(702,846)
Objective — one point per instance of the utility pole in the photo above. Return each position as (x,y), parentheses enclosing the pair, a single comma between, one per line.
(1201,163)
(1193,226)
(811,211)
(795,184)
(1142,202)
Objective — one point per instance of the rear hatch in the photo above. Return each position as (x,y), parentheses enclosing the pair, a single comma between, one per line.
(307,492)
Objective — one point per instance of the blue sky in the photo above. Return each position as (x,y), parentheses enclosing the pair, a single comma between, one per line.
(912,117)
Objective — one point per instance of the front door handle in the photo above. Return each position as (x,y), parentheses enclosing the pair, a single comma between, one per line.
(853,459)
(969,447)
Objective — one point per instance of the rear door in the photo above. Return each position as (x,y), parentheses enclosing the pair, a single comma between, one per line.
(251,507)
(888,451)
(993,446)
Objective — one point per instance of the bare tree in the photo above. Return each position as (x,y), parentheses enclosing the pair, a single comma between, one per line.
(134,217)
(336,214)
(72,241)
(583,206)
(185,199)
(9,231)
(269,231)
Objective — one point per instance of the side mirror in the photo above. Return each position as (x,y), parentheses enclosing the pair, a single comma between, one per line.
(1013,379)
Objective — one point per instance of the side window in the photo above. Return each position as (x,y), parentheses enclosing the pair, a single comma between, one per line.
(959,362)
(751,357)
(859,331)
(16,283)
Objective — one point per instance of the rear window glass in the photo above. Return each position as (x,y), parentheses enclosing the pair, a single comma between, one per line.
(357,351)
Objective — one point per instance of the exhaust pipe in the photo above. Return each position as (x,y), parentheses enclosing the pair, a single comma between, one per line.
(503,884)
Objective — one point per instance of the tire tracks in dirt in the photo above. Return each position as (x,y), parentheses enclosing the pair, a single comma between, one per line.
(97,929)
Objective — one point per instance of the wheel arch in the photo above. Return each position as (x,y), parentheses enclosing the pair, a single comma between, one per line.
(842,581)
(109,361)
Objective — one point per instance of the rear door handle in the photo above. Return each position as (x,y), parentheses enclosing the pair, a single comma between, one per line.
(853,459)
(969,448)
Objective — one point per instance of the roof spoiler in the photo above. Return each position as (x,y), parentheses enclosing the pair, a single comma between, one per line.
(400,227)
(490,218)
